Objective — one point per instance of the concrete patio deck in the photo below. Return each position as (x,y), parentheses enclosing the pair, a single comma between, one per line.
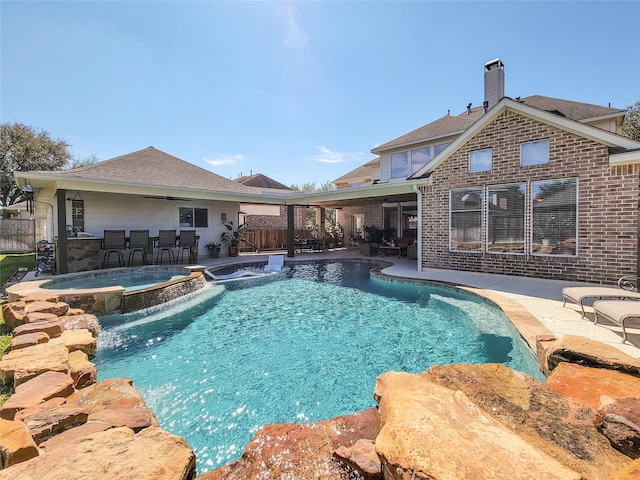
(541,297)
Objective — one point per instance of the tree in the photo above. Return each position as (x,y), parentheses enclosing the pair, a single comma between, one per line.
(77,162)
(23,148)
(631,125)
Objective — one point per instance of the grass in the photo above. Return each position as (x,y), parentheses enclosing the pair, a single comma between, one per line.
(9,264)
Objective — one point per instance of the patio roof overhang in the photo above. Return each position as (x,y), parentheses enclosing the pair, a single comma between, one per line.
(389,192)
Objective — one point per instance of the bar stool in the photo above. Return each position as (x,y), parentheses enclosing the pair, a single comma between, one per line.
(113,242)
(187,242)
(166,243)
(138,243)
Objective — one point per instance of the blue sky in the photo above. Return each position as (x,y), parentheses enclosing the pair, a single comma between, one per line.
(298,91)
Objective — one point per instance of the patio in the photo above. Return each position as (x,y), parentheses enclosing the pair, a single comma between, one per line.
(542,298)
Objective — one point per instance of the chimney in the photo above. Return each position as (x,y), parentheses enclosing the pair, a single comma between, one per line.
(493,82)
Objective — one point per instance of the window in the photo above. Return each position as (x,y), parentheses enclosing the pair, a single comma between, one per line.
(480,160)
(554,217)
(194,217)
(534,153)
(466,219)
(438,148)
(400,165)
(419,157)
(505,218)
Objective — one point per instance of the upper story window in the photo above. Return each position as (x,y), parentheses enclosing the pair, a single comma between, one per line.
(534,153)
(419,158)
(400,165)
(480,160)
(194,217)
(355,184)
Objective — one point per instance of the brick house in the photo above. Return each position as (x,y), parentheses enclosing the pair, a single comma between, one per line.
(537,186)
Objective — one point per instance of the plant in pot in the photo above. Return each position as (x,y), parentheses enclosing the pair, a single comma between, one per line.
(214,249)
(231,238)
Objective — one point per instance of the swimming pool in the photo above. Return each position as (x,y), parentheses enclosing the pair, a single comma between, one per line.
(303,345)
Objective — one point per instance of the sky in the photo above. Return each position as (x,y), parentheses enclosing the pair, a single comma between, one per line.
(298,91)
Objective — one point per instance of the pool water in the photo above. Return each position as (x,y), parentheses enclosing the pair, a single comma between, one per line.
(303,345)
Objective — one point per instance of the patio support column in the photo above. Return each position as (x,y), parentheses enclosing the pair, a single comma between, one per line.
(291,238)
(62,259)
(320,221)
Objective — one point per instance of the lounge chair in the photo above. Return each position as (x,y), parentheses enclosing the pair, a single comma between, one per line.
(274,264)
(234,275)
(616,311)
(628,289)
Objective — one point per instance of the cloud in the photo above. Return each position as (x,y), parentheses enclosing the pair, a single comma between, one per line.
(295,37)
(225,160)
(328,156)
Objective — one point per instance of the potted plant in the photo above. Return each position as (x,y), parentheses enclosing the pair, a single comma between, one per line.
(231,238)
(214,249)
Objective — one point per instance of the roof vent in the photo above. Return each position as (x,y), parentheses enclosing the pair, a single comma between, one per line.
(493,82)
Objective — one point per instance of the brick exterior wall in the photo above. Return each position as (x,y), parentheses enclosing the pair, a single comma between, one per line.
(607,204)
(268,222)
(344,217)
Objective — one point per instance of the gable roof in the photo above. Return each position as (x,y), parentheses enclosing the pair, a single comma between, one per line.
(154,167)
(361,172)
(451,125)
(443,127)
(574,110)
(609,139)
(261,181)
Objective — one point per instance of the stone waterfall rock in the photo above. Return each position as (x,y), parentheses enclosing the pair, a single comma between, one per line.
(37,390)
(53,328)
(564,429)
(16,445)
(52,421)
(301,451)
(81,320)
(621,424)
(431,432)
(28,340)
(586,385)
(19,366)
(83,372)
(117,453)
(80,339)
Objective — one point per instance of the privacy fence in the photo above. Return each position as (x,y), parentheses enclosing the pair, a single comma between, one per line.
(21,236)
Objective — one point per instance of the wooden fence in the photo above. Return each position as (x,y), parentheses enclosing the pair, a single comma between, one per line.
(21,236)
(275,239)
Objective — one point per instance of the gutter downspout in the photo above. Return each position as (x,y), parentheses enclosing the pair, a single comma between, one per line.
(419,255)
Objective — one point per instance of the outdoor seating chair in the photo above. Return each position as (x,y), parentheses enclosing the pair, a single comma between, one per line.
(114,241)
(187,242)
(138,243)
(166,243)
(627,288)
(616,311)
(274,264)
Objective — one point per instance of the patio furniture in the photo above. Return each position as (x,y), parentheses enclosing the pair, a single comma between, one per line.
(113,242)
(616,311)
(274,264)
(138,243)
(626,284)
(187,242)
(166,243)
(369,249)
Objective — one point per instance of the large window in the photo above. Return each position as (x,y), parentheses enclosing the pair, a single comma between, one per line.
(505,218)
(466,219)
(419,157)
(400,165)
(480,160)
(534,153)
(194,217)
(554,217)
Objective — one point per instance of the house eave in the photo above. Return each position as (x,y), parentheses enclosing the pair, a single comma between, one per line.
(625,158)
(379,151)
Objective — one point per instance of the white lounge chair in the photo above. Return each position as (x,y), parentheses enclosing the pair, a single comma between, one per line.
(578,295)
(274,264)
(236,274)
(616,311)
